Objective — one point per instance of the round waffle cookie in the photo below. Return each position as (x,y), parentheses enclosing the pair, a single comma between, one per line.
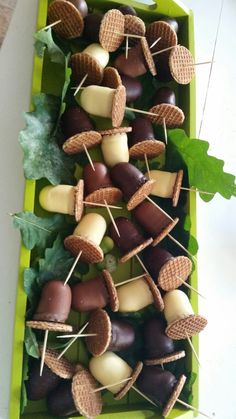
(177,188)
(140,195)
(111,78)
(113,297)
(180,266)
(111,30)
(174,356)
(61,367)
(181,65)
(76,143)
(118,106)
(134,26)
(99,324)
(91,253)
(135,373)
(165,232)
(72,23)
(83,64)
(50,326)
(114,131)
(111,195)
(148,57)
(79,196)
(136,250)
(163,30)
(174,396)
(174,116)
(158,301)
(87,402)
(152,148)
(186,327)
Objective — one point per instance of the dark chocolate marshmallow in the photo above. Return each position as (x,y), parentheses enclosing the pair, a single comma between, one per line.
(122,336)
(74,121)
(127,10)
(128,178)
(38,387)
(154,259)
(142,130)
(156,343)
(60,401)
(129,235)
(92,24)
(96,179)
(151,218)
(89,295)
(164,95)
(55,302)
(173,23)
(133,88)
(81,5)
(157,384)
(134,65)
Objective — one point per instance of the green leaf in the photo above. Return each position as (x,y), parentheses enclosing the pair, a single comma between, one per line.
(205,172)
(24,400)
(44,39)
(30,285)
(37,231)
(31,344)
(42,156)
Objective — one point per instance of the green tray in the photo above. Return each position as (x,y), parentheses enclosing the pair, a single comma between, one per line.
(131,407)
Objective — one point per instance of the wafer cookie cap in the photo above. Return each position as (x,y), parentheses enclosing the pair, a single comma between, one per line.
(176,392)
(163,30)
(88,403)
(111,78)
(181,65)
(111,195)
(174,116)
(112,30)
(135,373)
(79,197)
(175,356)
(113,297)
(83,64)
(61,367)
(186,327)
(72,23)
(76,143)
(50,326)
(118,106)
(152,148)
(99,324)
(91,253)
(139,195)
(135,26)
(174,272)
(177,188)
(136,250)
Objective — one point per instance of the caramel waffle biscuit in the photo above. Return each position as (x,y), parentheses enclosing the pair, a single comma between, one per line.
(181,65)
(50,326)
(91,253)
(188,326)
(176,392)
(134,26)
(135,373)
(111,30)
(72,23)
(61,367)
(163,30)
(177,188)
(111,195)
(165,232)
(111,78)
(139,195)
(136,250)
(152,148)
(118,106)
(99,324)
(158,300)
(74,144)
(113,297)
(174,356)
(79,197)
(178,267)
(174,116)
(87,402)
(83,64)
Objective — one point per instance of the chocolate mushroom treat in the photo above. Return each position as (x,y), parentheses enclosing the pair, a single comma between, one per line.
(162,387)
(95,293)
(130,241)
(76,396)
(115,146)
(142,140)
(78,130)
(138,294)
(158,347)
(164,95)
(154,221)
(134,185)
(168,272)
(167,184)
(98,185)
(164,106)
(133,88)
(182,323)
(55,371)
(71,14)
(109,369)
(110,334)
(87,237)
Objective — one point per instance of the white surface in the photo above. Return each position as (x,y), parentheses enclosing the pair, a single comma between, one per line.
(216,222)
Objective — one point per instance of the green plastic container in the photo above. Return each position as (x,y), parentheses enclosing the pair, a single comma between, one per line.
(132,406)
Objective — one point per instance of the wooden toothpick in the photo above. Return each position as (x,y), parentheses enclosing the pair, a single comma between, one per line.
(144,396)
(182,247)
(111,385)
(141,111)
(195,64)
(193,349)
(165,130)
(73,267)
(193,408)
(142,264)
(111,217)
(163,50)
(155,42)
(189,286)
(81,84)
(96,204)
(72,341)
(157,206)
(50,26)
(126,47)
(89,158)
(43,352)
(129,280)
(147,166)
(196,190)
(84,335)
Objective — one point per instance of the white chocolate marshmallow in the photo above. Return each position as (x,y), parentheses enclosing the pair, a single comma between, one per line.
(164,183)
(115,149)
(60,198)
(100,54)
(92,227)
(134,296)
(176,306)
(97,100)
(109,368)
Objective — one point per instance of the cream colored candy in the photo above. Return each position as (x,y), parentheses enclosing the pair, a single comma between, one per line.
(109,368)
(115,149)
(176,306)
(92,227)
(134,296)
(97,100)
(60,198)
(100,54)
(164,183)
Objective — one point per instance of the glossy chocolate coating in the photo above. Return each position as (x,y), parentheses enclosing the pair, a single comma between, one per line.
(157,384)
(162,64)
(156,342)
(89,295)
(60,401)
(154,259)
(127,10)
(38,387)
(92,24)
(81,5)
(173,23)
(75,120)
(122,336)
(141,130)
(134,65)
(55,302)
(151,218)
(133,88)
(164,95)
(129,234)
(128,178)
(94,180)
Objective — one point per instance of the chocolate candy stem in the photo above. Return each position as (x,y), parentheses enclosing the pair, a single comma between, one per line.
(189,286)
(193,408)
(89,158)
(163,50)
(43,352)
(112,385)
(193,349)
(72,340)
(81,84)
(50,26)
(111,217)
(73,267)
